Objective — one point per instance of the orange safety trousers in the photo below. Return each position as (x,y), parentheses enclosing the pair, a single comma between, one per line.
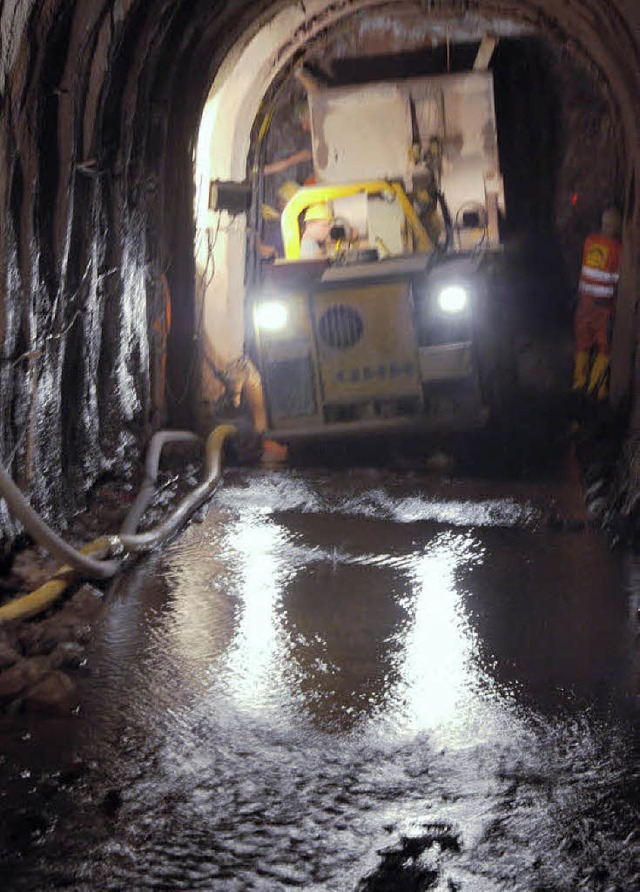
(593,324)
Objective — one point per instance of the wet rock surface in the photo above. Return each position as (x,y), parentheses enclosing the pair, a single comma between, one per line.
(341,680)
(21,677)
(8,653)
(39,658)
(56,640)
(54,694)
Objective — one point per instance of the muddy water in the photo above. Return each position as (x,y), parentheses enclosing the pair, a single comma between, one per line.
(348,681)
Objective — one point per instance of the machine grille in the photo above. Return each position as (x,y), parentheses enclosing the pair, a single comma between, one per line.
(291,388)
(340,327)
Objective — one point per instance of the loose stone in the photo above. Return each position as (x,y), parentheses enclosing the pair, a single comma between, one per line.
(25,673)
(55,694)
(68,655)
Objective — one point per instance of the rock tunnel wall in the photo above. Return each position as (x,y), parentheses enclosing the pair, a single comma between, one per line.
(100,104)
(99,109)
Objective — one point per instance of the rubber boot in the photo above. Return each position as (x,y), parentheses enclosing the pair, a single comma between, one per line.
(599,378)
(580,370)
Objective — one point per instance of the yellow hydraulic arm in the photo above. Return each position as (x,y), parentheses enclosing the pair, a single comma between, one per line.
(310,195)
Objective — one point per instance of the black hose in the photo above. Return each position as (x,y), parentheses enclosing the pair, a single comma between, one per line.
(448,222)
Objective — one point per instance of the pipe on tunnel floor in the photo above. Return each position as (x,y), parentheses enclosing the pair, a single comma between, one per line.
(89,560)
(42,533)
(212,469)
(152,463)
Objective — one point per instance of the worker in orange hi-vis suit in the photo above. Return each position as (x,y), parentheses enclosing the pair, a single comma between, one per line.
(596,307)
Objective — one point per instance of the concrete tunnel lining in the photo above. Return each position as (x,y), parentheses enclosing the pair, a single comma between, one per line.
(100,106)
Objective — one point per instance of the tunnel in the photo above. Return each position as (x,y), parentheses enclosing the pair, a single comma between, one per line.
(331,638)
(116,116)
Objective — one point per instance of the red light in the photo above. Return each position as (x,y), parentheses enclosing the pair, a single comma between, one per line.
(574,199)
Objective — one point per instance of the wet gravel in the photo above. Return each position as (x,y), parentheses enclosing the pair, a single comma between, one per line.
(347,680)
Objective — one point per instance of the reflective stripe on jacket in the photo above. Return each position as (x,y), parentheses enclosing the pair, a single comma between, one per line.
(600,265)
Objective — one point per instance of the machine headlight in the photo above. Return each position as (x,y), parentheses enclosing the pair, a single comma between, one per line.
(271,315)
(453,299)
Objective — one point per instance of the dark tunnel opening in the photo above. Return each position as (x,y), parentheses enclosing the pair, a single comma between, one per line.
(530,141)
(528,118)
(441,59)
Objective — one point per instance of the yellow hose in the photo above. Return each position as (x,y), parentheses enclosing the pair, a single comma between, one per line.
(47,594)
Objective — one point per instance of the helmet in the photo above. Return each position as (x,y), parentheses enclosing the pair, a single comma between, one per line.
(611,222)
(287,190)
(318,212)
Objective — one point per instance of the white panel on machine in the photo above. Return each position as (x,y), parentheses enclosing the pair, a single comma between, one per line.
(353,210)
(407,129)
(378,221)
(386,221)
(360,134)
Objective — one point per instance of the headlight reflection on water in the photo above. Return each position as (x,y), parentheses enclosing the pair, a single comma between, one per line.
(440,643)
(257,547)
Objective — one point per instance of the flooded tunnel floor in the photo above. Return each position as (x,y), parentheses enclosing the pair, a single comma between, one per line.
(347,680)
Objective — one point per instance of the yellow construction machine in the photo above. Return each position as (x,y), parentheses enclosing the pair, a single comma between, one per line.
(391,320)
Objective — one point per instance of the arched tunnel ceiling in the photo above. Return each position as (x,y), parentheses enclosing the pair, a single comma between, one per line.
(99,108)
(121,41)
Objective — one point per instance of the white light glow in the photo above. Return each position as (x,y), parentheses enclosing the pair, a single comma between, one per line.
(256,546)
(271,315)
(453,299)
(436,671)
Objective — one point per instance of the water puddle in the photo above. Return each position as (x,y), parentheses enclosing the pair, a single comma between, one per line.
(351,681)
